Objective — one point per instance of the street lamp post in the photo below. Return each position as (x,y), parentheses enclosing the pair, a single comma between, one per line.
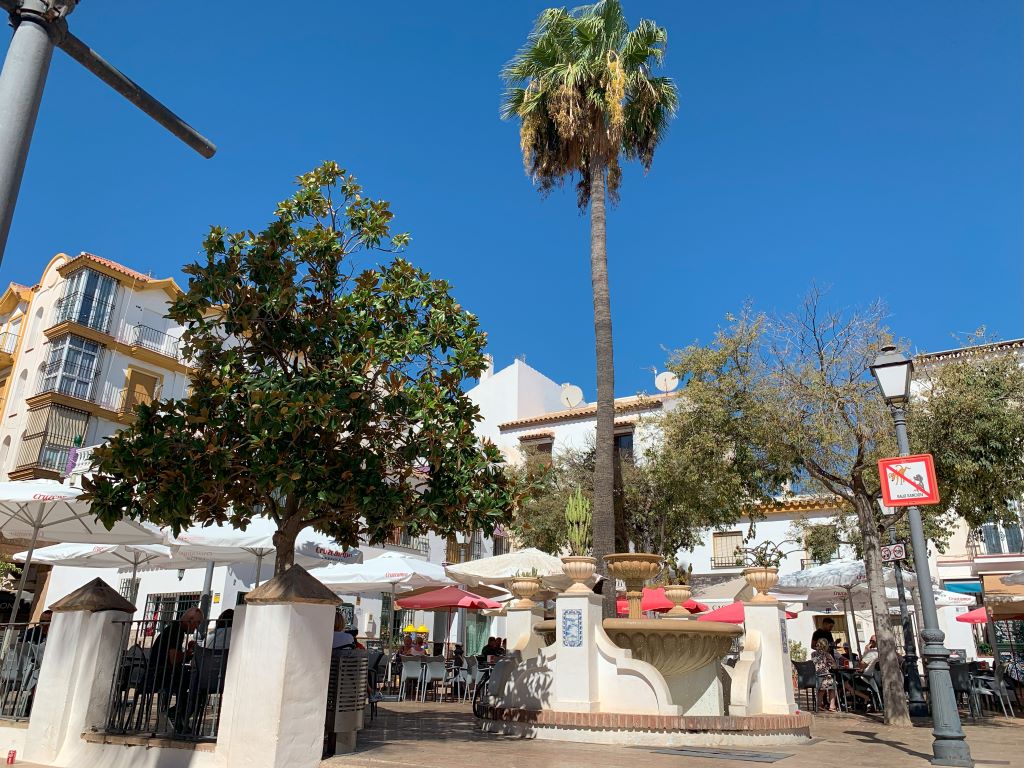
(893,372)
(917,706)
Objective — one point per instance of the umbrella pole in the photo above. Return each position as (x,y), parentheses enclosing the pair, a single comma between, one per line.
(24,575)
(853,619)
(259,566)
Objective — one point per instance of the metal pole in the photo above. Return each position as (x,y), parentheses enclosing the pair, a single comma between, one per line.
(21,91)
(949,746)
(259,567)
(24,573)
(205,598)
(915,695)
(853,618)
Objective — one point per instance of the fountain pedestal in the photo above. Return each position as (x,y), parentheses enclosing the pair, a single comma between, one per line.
(762,681)
(577,619)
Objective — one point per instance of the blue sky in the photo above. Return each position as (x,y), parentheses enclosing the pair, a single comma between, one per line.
(874,147)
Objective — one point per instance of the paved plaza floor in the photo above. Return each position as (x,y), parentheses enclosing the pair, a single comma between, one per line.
(447,736)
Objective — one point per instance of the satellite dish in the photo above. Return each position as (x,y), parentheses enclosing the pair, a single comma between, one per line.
(666,381)
(571,395)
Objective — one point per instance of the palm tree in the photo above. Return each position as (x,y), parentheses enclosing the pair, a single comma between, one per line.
(585,94)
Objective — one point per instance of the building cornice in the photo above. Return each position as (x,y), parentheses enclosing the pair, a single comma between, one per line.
(961,353)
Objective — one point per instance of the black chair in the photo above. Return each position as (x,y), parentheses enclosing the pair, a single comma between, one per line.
(807,680)
(374,672)
(960,676)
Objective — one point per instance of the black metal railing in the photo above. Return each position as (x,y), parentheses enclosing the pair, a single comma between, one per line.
(727,562)
(85,309)
(399,538)
(21,657)
(157,341)
(65,378)
(169,680)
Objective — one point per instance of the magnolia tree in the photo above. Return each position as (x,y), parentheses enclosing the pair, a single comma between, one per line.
(322,394)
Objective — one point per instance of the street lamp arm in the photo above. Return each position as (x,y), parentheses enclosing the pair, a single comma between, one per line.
(131,90)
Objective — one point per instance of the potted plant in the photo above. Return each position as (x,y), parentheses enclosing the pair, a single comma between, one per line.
(761,566)
(676,579)
(524,585)
(578,564)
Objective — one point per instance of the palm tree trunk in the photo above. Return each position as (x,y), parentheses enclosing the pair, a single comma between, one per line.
(895,700)
(604,459)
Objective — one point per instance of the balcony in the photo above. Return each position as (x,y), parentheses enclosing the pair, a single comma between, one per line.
(727,562)
(463,553)
(125,401)
(8,343)
(86,310)
(400,538)
(144,339)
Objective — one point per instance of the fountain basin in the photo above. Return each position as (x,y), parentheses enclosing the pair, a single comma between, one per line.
(672,646)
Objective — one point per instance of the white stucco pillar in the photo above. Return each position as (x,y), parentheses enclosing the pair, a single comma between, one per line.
(74,684)
(519,624)
(577,622)
(775,675)
(275,691)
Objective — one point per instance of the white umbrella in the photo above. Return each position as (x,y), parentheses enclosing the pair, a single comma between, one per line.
(225,545)
(1014,579)
(124,556)
(382,574)
(29,508)
(501,568)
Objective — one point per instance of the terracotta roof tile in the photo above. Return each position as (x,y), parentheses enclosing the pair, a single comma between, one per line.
(115,266)
(622,405)
(980,349)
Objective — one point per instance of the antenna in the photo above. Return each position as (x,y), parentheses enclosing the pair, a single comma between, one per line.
(666,381)
(571,395)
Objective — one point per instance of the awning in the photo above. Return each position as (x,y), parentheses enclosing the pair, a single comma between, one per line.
(1005,601)
(963,587)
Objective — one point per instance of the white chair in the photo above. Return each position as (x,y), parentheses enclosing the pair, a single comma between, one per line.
(470,676)
(434,671)
(412,668)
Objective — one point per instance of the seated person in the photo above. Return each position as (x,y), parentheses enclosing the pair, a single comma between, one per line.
(488,649)
(219,637)
(824,631)
(418,648)
(824,663)
(37,633)
(342,639)
(355,638)
(870,658)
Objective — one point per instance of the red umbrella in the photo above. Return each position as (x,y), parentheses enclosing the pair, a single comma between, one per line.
(977,616)
(654,600)
(446,597)
(732,614)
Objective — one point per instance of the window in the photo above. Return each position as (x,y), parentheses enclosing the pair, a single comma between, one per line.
(624,445)
(71,367)
(993,542)
(500,545)
(1014,542)
(724,546)
(88,300)
(537,448)
(128,588)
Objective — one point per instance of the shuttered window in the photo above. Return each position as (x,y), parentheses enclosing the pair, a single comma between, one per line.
(724,549)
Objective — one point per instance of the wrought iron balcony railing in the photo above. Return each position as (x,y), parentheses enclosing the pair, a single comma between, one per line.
(85,309)
(154,340)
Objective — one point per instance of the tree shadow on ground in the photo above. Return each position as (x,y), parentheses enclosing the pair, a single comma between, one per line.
(870,737)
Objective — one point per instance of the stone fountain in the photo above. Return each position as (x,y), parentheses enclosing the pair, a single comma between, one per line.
(642,681)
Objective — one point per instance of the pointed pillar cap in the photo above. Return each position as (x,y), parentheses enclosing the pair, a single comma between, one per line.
(293,586)
(94,597)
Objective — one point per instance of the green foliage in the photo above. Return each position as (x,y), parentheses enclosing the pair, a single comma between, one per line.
(674,572)
(540,520)
(323,394)
(579,524)
(968,415)
(767,554)
(821,542)
(797,651)
(584,91)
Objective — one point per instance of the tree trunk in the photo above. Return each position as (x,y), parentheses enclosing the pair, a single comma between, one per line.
(893,694)
(604,459)
(284,538)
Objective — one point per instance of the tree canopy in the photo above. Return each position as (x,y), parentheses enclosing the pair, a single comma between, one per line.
(322,394)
